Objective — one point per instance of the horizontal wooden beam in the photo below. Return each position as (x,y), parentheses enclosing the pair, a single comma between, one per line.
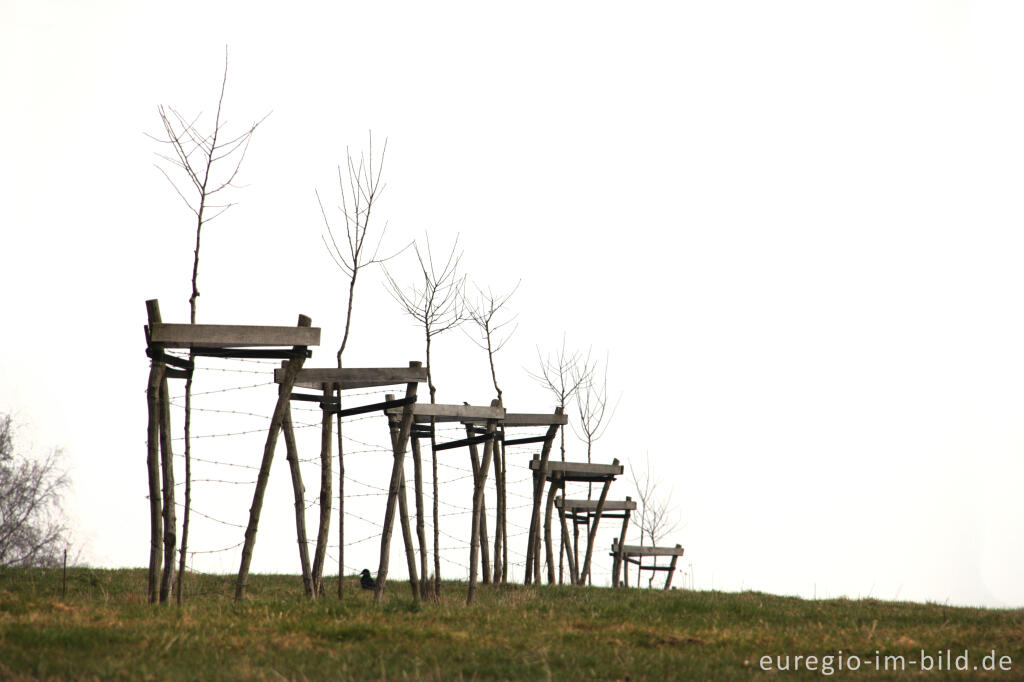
(591,505)
(518,419)
(250,353)
(363,409)
(475,440)
(569,469)
(524,441)
(231,335)
(637,550)
(424,411)
(356,377)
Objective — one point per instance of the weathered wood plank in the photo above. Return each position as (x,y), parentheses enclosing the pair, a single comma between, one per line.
(570,469)
(591,505)
(231,335)
(356,377)
(637,550)
(456,412)
(518,419)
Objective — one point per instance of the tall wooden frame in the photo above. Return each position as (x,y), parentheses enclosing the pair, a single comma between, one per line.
(226,341)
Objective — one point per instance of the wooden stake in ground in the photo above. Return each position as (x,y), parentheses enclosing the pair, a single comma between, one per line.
(479,483)
(299,491)
(397,475)
(585,573)
(394,423)
(325,497)
(421,534)
(283,398)
(533,541)
(156,377)
(167,464)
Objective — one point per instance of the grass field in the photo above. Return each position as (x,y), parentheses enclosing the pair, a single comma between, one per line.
(104,629)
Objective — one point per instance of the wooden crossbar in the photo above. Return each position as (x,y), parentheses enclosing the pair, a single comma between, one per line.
(524,441)
(475,440)
(516,419)
(231,335)
(591,505)
(424,412)
(637,550)
(356,377)
(373,407)
(579,471)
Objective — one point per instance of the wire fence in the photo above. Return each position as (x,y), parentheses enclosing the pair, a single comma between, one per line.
(230,422)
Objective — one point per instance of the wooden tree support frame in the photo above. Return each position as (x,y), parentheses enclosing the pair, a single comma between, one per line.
(632,554)
(399,413)
(558,473)
(582,511)
(220,341)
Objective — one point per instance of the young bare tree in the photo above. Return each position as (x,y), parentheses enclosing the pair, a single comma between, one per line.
(591,405)
(209,158)
(656,516)
(562,374)
(351,254)
(437,306)
(32,526)
(486,313)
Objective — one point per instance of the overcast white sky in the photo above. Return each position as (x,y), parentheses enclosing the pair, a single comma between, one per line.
(794,228)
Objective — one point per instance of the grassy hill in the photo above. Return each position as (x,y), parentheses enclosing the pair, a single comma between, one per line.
(104,629)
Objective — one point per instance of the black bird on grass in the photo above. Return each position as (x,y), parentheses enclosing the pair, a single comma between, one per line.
(366,580)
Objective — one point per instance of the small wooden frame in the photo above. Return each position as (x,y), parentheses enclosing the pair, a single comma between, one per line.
(631,554)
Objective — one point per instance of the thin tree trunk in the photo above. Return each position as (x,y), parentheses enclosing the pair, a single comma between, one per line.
(433,465)
(341,508)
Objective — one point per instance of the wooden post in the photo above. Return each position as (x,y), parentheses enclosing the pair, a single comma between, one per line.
(394,488)
(565,541)
(480,481)
(592,535)
(504,515)
(323,529)
(283,398)
(625,569)
(403,510)
(549,507)
(672,568)
(169,519)
(156,376)
(421,533)
(617,561)
(474,461)
(341,503)
(533,540)
(537,474)
(299,490)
